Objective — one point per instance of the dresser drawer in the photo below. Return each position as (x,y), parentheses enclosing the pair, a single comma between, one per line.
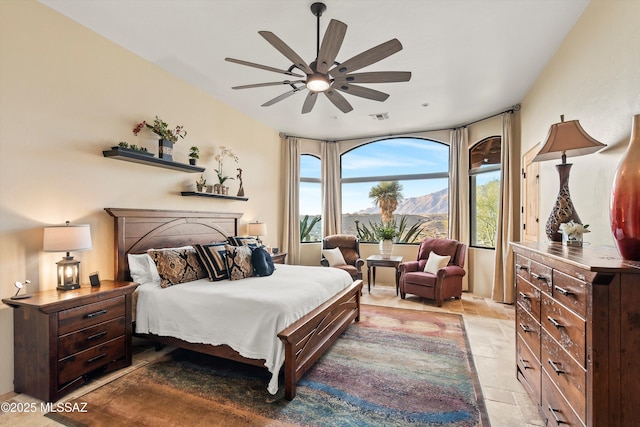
(566,327)
(90,314)
(529,368)
(529,297)
(79,364)
(88,337)
(569,377)
(529,329)
(522,267)
(571,292)
(541,276)
(555,408)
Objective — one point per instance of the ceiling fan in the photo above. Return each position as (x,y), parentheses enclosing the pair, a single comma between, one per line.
(324,74)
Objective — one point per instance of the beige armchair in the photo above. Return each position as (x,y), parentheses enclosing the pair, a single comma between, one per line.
(349,248)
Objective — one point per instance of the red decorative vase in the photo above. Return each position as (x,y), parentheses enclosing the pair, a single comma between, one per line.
(625,198)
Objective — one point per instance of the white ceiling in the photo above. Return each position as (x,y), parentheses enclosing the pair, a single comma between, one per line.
(468,58)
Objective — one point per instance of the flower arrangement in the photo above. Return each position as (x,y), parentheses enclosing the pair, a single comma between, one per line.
(574,229)
(224,152)
(161,128)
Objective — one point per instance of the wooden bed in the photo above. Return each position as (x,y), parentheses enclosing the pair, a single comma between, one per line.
(137,230)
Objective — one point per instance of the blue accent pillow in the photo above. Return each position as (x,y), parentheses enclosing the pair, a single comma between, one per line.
(262,262)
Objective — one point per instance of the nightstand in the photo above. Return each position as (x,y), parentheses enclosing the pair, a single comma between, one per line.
(61,337)
(279,258)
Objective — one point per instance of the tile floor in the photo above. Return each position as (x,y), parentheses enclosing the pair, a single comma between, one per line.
(489,326)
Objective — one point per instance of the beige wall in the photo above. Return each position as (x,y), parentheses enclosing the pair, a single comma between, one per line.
(595,78)
(66,94)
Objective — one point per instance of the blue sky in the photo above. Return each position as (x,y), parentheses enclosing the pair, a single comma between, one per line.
(397,156)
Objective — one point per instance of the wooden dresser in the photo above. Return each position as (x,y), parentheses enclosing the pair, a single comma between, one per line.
(578,333)
(61,337)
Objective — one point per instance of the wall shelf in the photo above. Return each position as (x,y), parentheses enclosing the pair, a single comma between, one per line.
(215,196)
(129,156)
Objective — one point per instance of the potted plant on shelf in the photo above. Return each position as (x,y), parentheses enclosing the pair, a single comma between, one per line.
(123,145)
(168,136)
(224,152)
(194,155)
(385,233)
(201,184)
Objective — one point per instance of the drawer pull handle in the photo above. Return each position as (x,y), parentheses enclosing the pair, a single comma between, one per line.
(540,277)
(555,367)
(523,295)
(563,291)
(522,267)
(554,322)
(96,336)
(96,314)
(524,328)
(555,417)
(525,364)
(98,357)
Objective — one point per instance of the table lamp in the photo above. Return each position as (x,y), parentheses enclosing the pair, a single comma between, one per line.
(257,229)
(67,238)
(564,139)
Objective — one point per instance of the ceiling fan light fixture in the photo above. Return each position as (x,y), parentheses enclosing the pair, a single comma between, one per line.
(318,82)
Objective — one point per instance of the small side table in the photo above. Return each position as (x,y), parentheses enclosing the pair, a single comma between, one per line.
(374,261)
(279,258)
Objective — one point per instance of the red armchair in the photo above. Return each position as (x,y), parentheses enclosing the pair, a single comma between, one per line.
(445,283)
(349,246)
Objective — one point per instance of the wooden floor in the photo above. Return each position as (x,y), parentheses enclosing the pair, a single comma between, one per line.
(489,326)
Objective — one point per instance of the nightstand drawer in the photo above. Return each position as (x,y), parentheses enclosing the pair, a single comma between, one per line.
(90,314)
(79,364)
(88,337)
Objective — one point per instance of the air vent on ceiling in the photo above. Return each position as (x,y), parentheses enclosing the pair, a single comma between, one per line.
(380,116)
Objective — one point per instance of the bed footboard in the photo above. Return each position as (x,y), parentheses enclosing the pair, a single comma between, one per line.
(308,338)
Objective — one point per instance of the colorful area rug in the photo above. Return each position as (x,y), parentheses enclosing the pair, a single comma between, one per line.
(395,367)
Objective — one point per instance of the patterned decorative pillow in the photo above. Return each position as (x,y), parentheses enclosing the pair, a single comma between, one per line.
(244,241)
(213,257)
(238,259)
(177,265)
(262,262)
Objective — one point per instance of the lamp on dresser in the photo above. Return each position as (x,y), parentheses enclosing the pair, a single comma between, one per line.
(257,229)
(67,238)
(564,139)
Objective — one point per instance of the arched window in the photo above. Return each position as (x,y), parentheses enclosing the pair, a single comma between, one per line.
(310,199)
(420,170)
(484,191)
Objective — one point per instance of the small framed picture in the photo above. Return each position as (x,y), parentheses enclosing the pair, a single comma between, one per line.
(94,279)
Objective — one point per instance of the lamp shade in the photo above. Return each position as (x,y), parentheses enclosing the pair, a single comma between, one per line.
(567,139)
(257,229)
(67,238)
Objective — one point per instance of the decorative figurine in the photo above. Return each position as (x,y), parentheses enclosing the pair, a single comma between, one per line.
(241,189)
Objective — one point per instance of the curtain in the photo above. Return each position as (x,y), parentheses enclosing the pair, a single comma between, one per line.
(291,208)
(503,276)
(331,192)
(459,192)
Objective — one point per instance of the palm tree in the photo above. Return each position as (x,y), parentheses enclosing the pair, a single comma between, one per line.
(387,194)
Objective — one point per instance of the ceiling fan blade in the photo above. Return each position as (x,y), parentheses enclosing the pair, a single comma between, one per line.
(367,57)
(286,82)
(338,100)
(363,92)
(281,97)
(262,67)
(375,77)
(331,43)
(282,47)
(309,102)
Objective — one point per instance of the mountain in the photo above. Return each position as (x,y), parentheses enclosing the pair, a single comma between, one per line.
(434,203)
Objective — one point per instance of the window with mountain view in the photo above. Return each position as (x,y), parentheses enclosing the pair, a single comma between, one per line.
(484,190)
(310,199)
(399,180)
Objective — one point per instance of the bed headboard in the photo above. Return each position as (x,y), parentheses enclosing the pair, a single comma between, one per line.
(136,230)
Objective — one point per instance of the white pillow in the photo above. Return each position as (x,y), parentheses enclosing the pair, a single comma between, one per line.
(334,256)
(435,262)
(142,268)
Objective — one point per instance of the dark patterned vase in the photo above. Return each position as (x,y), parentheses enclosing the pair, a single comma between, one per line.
(563,210)
(165,149)
(625,199)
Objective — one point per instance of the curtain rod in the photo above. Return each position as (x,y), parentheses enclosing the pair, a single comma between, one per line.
(510,110)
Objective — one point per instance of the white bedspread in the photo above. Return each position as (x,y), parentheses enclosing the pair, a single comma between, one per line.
(245,314)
